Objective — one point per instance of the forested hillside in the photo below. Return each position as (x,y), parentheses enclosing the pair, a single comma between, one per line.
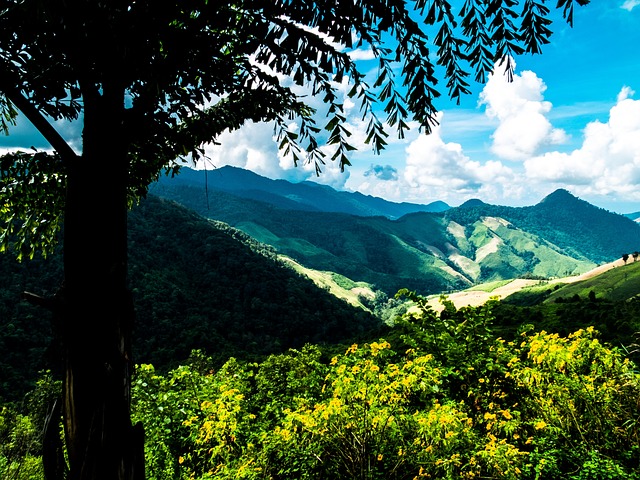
(425,251)
(609,300)
(196,284)
(199,284)
(579,228)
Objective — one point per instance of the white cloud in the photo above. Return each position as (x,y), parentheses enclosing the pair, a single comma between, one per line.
(439,170)
(626,92)
(382,172)
(254,148)
(608,160)
(630,4)
(433,163)
(521,111)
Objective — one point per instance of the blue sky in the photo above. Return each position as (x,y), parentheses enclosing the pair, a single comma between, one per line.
(570,119)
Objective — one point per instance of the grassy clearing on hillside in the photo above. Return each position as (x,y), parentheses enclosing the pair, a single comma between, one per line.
(620,283)
(347,283)
(490,286)
(338,285)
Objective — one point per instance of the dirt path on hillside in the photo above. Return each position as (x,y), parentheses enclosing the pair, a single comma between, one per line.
(475,298)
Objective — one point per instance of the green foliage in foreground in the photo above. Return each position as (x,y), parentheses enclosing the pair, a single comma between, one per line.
(21,431)
(441,398)
(444,399)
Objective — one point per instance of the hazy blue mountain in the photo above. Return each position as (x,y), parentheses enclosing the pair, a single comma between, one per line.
(306,196)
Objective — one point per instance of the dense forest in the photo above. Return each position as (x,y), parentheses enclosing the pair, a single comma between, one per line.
(196,284)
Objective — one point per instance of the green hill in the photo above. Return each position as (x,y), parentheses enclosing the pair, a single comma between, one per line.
(609,301)
(196,284)
(580,229)
(621,283)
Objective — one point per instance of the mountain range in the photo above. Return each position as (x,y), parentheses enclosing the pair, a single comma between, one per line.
(304,196)
(635,216)
(428,248)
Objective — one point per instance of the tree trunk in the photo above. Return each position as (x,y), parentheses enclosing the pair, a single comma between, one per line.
(97,311)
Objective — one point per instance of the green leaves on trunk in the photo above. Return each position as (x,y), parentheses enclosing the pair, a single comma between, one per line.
(32,193)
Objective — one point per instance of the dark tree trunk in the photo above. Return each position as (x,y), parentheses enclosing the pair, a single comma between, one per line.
(96,308)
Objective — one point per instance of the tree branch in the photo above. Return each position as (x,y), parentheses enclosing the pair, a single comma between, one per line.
(50,303)
(39,121)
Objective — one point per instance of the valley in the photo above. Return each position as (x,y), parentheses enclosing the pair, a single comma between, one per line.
(427,249)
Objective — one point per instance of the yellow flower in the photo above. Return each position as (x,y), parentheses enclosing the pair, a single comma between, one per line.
(180,460)
(379,457)
(377,347)
(334,360)
(540,425)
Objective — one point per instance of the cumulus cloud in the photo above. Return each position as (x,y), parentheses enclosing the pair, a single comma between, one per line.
(382,172)
(521,111)
(362,54)
(254,148)
(608,160)
(437,170)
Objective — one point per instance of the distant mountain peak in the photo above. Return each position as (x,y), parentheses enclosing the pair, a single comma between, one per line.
(473,202)
(560,196)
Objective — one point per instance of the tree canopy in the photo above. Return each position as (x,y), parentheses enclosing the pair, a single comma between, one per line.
(186,72)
